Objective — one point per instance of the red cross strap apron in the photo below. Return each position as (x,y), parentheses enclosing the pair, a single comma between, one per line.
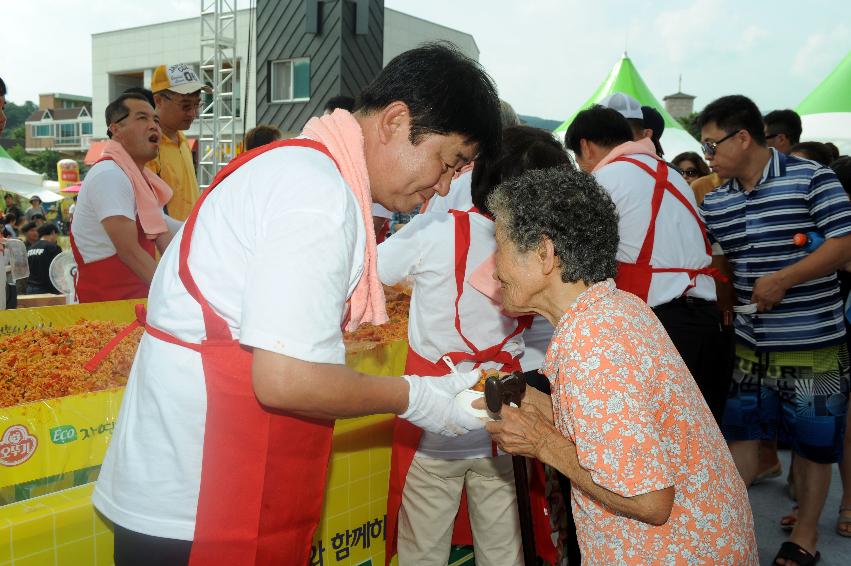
(406,437)
(109,279)
(636,277)
(262,472)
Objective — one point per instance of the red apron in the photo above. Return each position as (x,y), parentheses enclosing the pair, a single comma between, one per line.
(636,277)
(263,473)
(109,279)
(406,437)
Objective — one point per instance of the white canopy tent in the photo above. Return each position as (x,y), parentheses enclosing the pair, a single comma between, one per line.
(15,178)
(826,111)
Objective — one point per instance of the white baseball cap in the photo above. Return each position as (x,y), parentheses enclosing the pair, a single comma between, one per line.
(627,106)
(180,78)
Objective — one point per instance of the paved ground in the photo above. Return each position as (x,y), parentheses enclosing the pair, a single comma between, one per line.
(770,502)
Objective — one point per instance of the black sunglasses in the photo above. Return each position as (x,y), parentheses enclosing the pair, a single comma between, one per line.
(690,172)
(709,148)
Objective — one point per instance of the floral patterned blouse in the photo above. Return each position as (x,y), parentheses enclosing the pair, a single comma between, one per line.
(624,396)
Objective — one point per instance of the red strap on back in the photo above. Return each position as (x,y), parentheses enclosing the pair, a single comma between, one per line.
(462,249)
(662,185)
(216,327)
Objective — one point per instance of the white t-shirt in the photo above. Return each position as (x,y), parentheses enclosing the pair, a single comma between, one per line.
(381,212)
(105,192)
(277,250)
(425,251)
(537,337)
(678,242)
(458,197)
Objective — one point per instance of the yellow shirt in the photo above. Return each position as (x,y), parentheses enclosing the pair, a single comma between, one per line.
(706,185)
(174,166)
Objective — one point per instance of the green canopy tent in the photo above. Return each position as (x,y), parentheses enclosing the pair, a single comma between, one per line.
(826,111)
(624,78)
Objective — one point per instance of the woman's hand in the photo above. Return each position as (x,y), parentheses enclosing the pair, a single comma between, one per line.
(524,431)
(540,401)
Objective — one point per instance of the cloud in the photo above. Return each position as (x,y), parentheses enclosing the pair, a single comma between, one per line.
(675,29)
(751,38)
(815,58)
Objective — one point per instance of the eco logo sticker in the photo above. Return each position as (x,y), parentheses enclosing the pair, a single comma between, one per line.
(63,434)
(17,446)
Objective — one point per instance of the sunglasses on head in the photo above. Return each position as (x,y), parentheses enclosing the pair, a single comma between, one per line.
(710,147)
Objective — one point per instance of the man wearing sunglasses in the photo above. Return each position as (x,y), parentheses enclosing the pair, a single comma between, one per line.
(177,93)
(782,129)
(791,373)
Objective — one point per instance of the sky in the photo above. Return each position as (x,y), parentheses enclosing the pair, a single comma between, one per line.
(546,56)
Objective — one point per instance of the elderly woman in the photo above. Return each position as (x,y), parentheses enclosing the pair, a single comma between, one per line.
(654,482)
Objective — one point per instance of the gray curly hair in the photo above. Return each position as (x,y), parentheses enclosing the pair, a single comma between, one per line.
(568,207)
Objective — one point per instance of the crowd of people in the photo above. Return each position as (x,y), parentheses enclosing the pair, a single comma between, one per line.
(669,328)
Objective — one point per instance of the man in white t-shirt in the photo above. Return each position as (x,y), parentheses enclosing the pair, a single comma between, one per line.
(665,261)
(114,249)
(223,454)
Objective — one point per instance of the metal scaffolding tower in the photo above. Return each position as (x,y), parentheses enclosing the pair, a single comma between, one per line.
(217,119)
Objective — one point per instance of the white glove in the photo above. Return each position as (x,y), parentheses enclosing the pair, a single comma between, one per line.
(432,404)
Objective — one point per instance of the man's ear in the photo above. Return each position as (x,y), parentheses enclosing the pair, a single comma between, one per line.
(393,120)
(747,139)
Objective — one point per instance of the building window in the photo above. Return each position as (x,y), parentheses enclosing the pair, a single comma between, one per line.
(42,131)
(67,130)
(290,80)
(87,128)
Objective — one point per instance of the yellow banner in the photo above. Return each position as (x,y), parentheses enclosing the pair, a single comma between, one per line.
(70,433)
(56,436)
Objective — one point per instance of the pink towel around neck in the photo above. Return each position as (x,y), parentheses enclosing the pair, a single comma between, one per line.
(342,135)
(641,147)
(151,192)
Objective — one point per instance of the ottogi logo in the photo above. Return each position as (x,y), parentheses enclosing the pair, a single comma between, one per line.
(17,446)
(63,434)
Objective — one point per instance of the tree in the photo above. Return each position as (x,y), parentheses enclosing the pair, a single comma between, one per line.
(16,116)
(690,124)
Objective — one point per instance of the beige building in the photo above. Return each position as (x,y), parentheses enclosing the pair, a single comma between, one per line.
(63,123)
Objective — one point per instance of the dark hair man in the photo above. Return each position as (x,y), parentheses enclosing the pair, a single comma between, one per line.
(39,256)
(118,220)
(244,345)
(791,372)
(813,150)
(782,129)
(654,127)
(30,233)
(9,199)
(177,93)
(261,135)
(663,254)
(347,103)
(144,92)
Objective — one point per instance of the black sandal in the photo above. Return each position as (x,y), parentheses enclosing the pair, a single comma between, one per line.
(796,553)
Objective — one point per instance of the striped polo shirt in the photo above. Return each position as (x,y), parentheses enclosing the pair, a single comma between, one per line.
(755,231)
